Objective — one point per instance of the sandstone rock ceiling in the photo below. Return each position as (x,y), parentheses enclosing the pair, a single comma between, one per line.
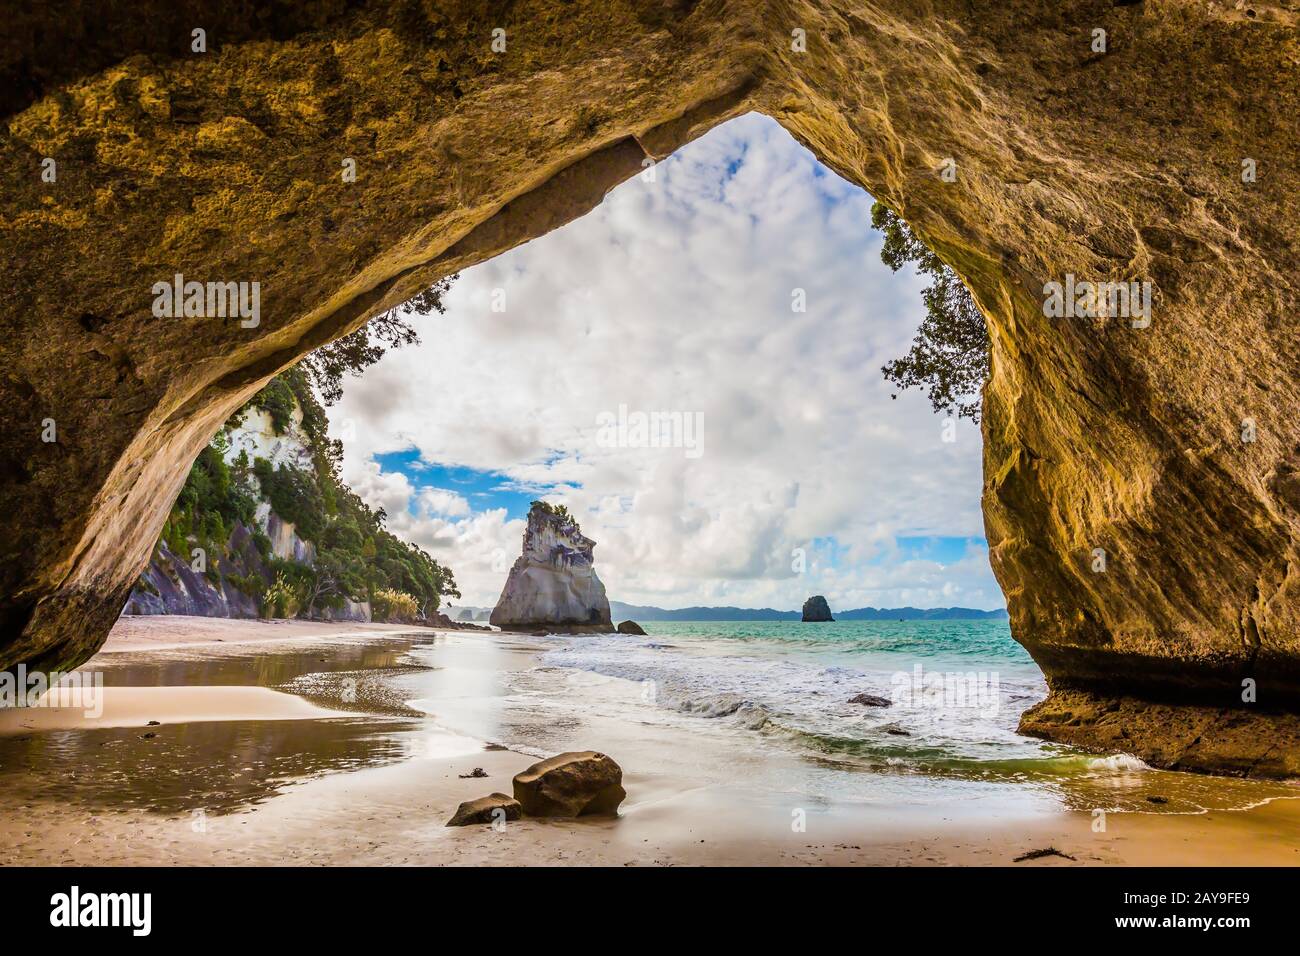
(1122,165)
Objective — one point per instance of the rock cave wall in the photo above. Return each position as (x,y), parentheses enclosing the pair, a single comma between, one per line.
(1123,165)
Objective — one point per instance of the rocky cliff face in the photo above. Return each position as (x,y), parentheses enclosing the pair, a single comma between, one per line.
(226,585)
(553,585)
(171,585)
(1022,149)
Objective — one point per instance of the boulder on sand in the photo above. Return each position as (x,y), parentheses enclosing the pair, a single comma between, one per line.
(631,627)
(571,785)
(484,810)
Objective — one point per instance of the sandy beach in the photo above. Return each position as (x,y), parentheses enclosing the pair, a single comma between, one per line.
(243,742)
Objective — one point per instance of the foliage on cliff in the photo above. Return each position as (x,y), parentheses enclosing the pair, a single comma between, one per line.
(949,357)
(559,511)
(210,504)
(356,556)
(351,354)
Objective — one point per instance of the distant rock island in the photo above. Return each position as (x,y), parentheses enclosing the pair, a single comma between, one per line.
(642,613)
(464,612)
(816,610)
(553,585)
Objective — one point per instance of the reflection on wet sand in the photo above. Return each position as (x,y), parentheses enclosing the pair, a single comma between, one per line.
(221,765)
(406,719)
(216,767)
(242,665)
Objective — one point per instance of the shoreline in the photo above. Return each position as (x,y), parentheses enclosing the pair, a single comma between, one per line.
(145,632)
(384,786)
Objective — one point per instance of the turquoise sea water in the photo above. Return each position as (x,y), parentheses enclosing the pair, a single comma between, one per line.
(796,680)
(956,690)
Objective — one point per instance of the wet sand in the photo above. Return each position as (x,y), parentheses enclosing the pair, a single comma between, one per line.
(350,774)
(144,706)
(164,632)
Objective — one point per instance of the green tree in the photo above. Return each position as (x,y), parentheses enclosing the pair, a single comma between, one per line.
(949,358)
(276,399)
(560,511)
(355,352)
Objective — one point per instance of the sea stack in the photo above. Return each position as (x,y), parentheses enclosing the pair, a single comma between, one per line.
(553,585)
(816,609)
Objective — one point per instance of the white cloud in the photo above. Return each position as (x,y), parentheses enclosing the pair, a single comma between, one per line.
(439,501)
(676,296)
(390,490)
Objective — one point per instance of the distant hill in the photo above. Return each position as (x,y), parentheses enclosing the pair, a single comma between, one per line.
(639,613)
(464,612)
(920,614)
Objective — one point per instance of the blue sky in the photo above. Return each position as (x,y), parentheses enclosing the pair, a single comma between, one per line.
(679,296)
(488,490)
(483,489)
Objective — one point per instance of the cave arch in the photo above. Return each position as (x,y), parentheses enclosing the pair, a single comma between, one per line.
(1124,165)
